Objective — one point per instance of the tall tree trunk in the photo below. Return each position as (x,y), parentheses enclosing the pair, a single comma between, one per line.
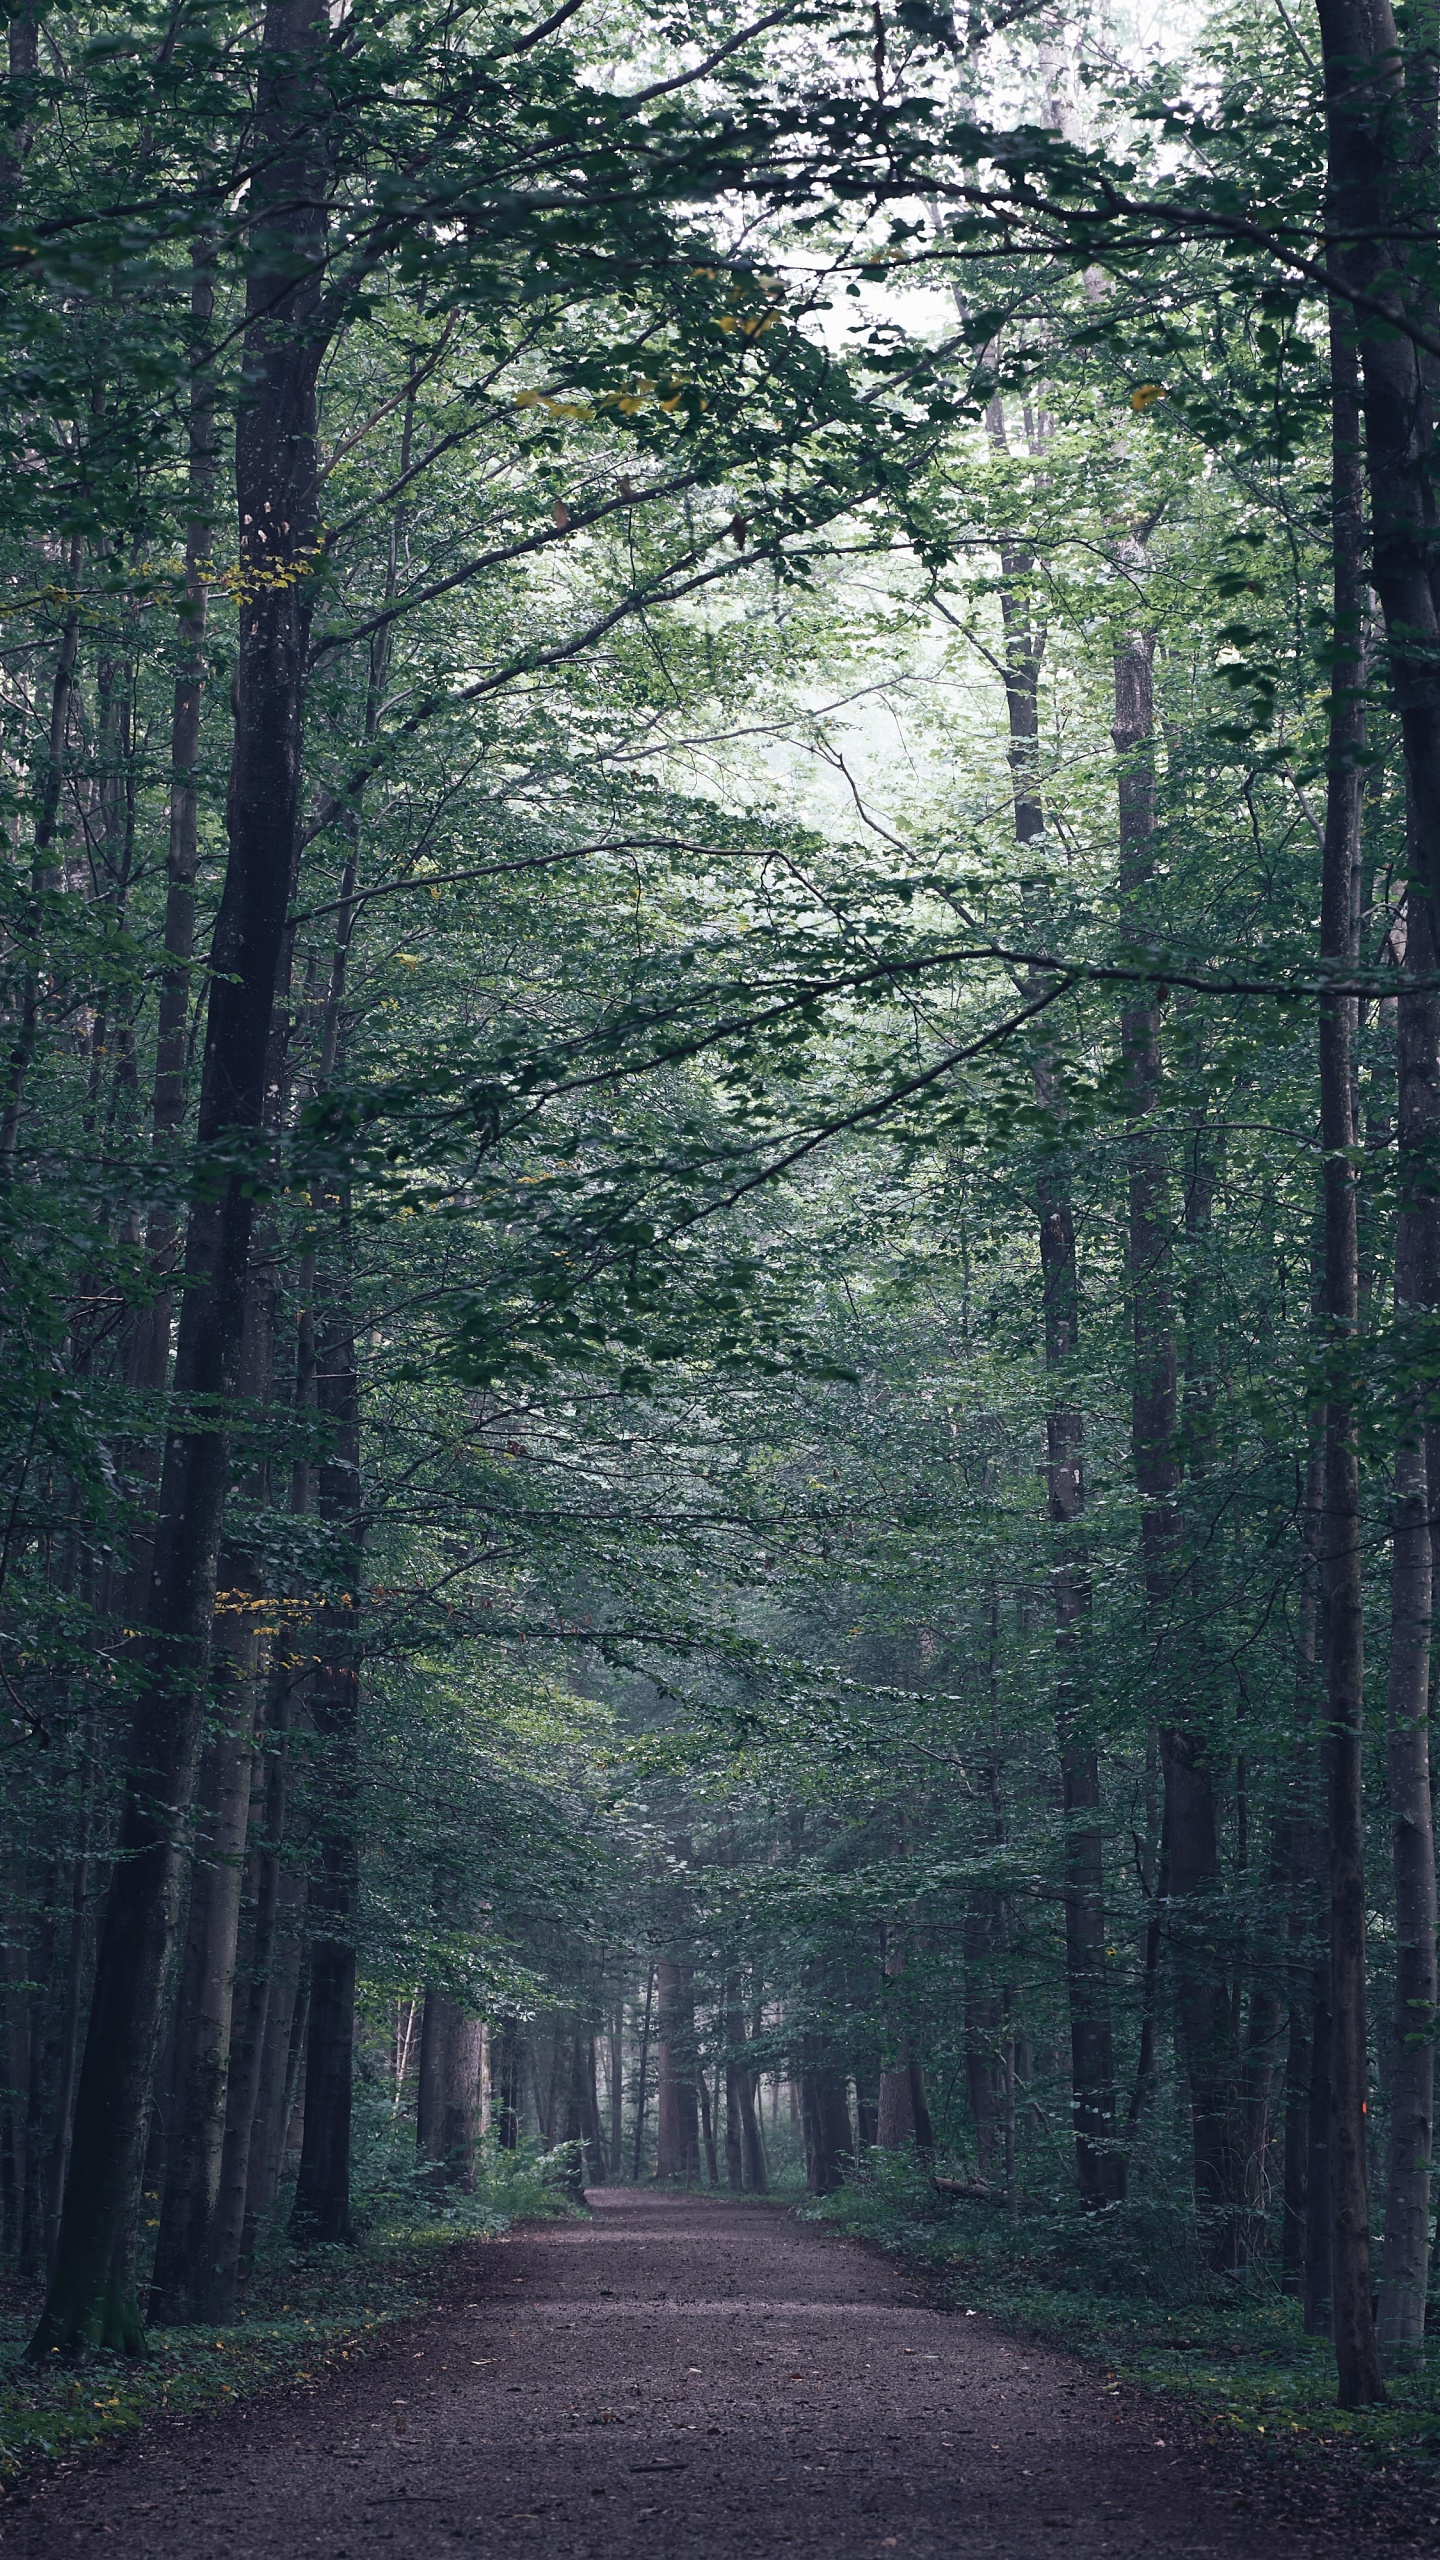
(1303,1981)
(640,2077)
(707,2123)
(1404,2260)
(246,2076)
(508,2046)
(678,2142)
(1356,2351)
(825,2118)
(183,2272)
(91,2301)
(430,2085)
(447,2121)
(617,2090)
(322,2196)
(184,2275)
(1100,2164)
(1191,1847)
(149,1349)
(1380,200)
(45,875)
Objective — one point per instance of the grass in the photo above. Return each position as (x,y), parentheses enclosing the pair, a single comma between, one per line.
(305,2315)
(1123,2291)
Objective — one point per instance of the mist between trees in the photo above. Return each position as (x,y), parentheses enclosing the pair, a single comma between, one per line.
(721,767)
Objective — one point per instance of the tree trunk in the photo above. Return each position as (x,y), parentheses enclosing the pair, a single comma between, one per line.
(707,2125)
(91,2301)
(1380,142)
(677,2155)
(982,2041)
(149,1349)
(322,2196)
(507,2084)
(430,2084)
(1404,2259)
(825,2118)
(1356,2352)
(243,2113)
(1100,2164)
(617,2091)
(184,2274)
(1191,1849)
(640,2094)
(447,2118)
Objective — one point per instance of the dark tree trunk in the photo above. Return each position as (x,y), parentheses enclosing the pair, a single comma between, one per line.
(45,878)
(149,1349)
(43,2056)
(1319,2284)
(617,2091)
(825,2118)
(592,2134)
(322,2196)
(247,2059)
(430,2084)
(508,2065)
(1306,1905)
(92,2296)
(1204,2015)
(707,2126)
(1380,198)
(640,2078)
(1356,2352)
(1404,2264)
(678,2140)
(71,1996)
(1100,2164)
(184,2275)
(983,2037)
(183,2272)
(447,2116)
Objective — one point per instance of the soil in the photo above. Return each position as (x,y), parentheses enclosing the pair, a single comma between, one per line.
(672,2375)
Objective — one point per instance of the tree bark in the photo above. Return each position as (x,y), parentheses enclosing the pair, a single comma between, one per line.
(1404,2258)
(1381,148)
(246,2078)
(91,2301)
(447,2121)
(678,2142)
(1356,2352)
(184,2274)
(1100,2163)
(322,2196)
(825,2117)
(640,2078)
(1190,1845)
(149,1349)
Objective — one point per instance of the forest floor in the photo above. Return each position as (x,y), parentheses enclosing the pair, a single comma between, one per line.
(673,2374)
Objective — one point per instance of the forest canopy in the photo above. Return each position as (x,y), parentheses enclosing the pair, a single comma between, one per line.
(719,1219)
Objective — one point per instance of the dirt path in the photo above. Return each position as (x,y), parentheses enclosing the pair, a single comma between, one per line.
(679,2377)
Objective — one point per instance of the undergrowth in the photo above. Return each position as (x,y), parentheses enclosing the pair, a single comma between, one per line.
(1123,2289)
(306,2312)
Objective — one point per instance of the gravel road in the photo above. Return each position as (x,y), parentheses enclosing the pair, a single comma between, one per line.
(705,2378)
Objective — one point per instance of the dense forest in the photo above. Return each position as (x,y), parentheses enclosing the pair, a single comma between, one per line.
(719,1211)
